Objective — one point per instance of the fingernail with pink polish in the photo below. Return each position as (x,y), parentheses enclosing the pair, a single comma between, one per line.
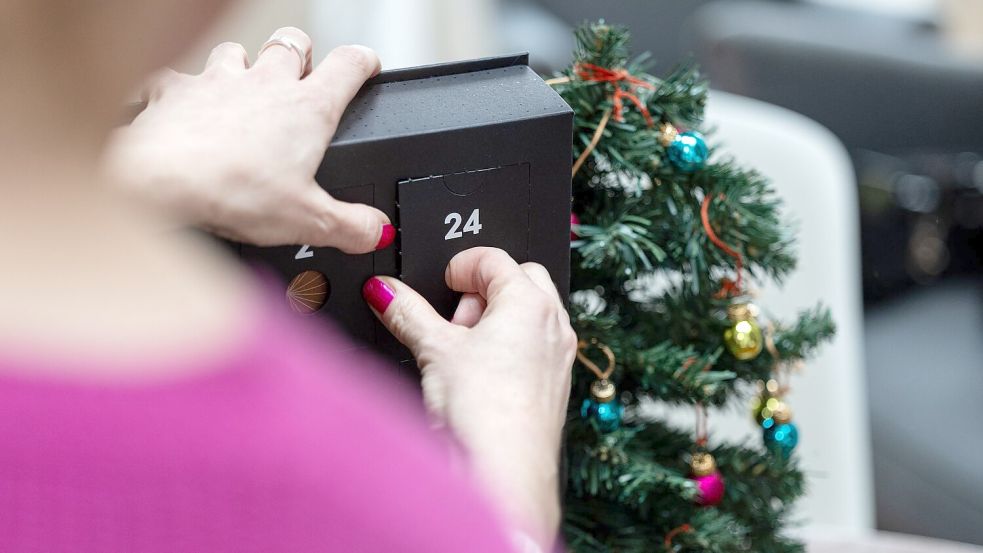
(378,294)
(388,235)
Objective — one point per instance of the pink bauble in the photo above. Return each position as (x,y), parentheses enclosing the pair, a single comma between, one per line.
(574,220)
(711,488)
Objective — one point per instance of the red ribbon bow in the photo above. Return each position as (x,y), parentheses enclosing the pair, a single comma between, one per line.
(598,74)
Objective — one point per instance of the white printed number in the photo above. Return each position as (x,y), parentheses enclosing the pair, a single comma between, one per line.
(454,220)
(304,252)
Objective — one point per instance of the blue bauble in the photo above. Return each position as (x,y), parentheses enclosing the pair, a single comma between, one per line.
(780,437)
(688,152)
(607,415)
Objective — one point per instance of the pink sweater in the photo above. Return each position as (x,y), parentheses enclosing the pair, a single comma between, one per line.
(281,445)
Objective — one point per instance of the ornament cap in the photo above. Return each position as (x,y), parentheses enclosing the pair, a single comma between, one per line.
(667,134)
(703,464)
(782,413)
(603,391)
(740,311)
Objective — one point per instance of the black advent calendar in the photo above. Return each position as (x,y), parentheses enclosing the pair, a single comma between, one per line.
(458,155)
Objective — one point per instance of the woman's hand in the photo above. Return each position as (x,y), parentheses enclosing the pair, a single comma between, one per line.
(235,149)
(498,373)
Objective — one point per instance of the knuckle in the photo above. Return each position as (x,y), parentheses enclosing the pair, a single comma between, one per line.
(492,252)
(489,257)
(569,340)
(400,314)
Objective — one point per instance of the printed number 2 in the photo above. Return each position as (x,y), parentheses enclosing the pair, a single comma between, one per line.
(454,220)
(304,252)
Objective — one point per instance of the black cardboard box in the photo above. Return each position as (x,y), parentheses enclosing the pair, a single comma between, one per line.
(458,155)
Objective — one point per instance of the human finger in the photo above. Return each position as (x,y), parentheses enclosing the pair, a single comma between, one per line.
(405,313)
(484,271)
(469,310)
(286,54)
(342,73)
(541,278)
(231,56)
(350,227)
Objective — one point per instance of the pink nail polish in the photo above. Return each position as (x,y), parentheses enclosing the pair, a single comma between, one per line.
(378,294)
(388,235)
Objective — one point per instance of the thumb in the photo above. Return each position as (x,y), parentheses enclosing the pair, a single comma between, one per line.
(404,312)
(352,228)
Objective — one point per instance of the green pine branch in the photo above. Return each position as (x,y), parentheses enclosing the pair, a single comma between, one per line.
(646,281)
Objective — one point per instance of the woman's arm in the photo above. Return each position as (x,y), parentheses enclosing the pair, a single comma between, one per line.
(235,148)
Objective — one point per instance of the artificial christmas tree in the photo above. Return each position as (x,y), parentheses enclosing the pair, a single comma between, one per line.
(665,240)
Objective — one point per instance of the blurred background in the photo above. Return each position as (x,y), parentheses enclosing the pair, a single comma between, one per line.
(868,114)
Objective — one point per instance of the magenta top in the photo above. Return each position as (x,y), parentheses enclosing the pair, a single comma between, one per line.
(283,444)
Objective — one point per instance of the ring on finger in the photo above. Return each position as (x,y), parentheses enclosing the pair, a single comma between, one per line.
(290,44)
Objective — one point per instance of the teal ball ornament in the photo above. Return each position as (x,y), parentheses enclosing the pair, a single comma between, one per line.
(606,415)
(688,152)
(780,437)
(602,406)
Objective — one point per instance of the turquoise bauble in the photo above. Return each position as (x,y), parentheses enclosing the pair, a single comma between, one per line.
(688,152)
(780,437)
(607,415)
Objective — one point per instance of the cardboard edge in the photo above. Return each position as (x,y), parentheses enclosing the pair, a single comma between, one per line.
(450,68)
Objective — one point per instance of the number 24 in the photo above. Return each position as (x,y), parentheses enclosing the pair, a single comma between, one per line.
(454,220)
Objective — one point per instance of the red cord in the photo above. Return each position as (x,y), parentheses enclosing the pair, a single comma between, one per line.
(598,74)
(681,529)
(738,259)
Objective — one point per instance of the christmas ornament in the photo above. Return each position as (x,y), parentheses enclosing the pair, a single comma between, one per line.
(688,152)
(780,434)
(602,406)
(703,471)
(574,221)
(765,403)
(743,337)
(703,467)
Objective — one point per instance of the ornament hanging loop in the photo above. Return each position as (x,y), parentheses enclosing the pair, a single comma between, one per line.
(712,235)
(583,345)
(701,425)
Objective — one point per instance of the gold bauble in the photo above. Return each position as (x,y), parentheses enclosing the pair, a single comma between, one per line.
(766,406)
(702,464)
(743,338)
(602,391)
